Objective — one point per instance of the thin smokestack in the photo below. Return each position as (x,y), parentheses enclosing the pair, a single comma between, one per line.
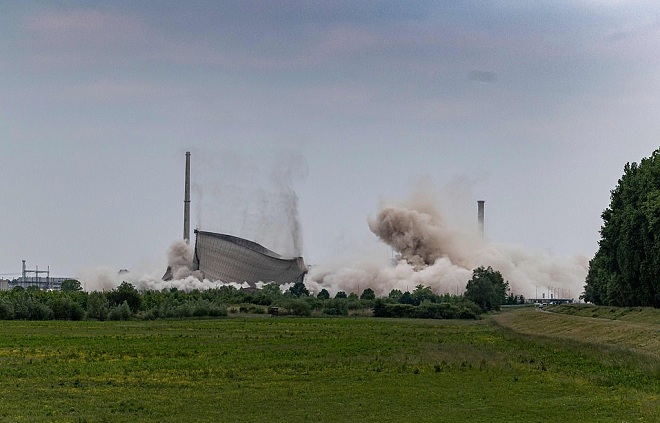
(480,213)
(186,202)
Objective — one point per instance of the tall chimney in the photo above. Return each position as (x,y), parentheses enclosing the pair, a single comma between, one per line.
(480,213)
(186,202)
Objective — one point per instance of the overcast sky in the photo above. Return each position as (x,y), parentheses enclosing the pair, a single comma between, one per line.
(533,107)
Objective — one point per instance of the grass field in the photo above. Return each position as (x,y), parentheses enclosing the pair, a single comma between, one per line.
(314,369)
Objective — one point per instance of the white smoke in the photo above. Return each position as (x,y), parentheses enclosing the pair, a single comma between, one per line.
(250,197)
(180,264)
(180,261)
(100,278)
(434,252)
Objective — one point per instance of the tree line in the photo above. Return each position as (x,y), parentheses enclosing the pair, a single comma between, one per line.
(625,271)
(486,291)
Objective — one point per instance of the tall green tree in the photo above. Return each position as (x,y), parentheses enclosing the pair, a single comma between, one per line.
(423,293)
(487,288)
(71,285)
(271,290)
(299,290)
(626,268)
(125,292)
(368,294)
(395,295)
(97,306)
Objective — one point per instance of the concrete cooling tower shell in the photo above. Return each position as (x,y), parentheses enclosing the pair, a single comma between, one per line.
(228,258)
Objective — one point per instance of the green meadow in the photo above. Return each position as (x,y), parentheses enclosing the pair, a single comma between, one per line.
(291,369)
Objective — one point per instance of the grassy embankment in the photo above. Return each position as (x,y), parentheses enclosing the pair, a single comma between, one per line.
(313,369)
(616,329)
(628,314)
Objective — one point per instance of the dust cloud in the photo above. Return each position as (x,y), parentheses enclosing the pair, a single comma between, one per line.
(433,237)
(434,250)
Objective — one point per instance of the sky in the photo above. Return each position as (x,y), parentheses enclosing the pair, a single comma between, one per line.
(328,109)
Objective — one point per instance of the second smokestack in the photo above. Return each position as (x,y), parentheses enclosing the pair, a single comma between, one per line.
(186,202)
(480,215)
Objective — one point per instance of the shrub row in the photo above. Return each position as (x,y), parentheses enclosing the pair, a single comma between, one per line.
(125,302)
(428,310)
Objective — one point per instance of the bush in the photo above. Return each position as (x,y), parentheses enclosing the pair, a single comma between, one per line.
(299,290)
(251,309)
(183,310)
(6,309)
(76,305)
(203,308)
(71,285)
(407,298)
(368,294)
(151,314)
(399,310)
(335,307)
(65,308)
(120,312)
(458,308)
(217,310)
(323,294)
(395,295)
(467,313)
(299,308)
(21,308)
(97,306)
(353,303)
(380,308)
(40,311)
(29,308)
(126,293)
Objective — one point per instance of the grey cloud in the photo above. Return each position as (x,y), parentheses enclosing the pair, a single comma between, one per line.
(482,76)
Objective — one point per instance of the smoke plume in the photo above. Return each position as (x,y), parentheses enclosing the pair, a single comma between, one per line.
(180,261)
(250,197)
(433,251)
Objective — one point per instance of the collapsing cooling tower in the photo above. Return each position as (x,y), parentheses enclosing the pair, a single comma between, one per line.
(228,258)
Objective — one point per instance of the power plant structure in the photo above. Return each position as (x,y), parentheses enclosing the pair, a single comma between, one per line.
(232,259)
(38,278)
(186,202)
(480,217)
(228,258)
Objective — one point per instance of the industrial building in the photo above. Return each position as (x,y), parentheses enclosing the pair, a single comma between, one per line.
(227,258)
(44,283)
(38,278)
